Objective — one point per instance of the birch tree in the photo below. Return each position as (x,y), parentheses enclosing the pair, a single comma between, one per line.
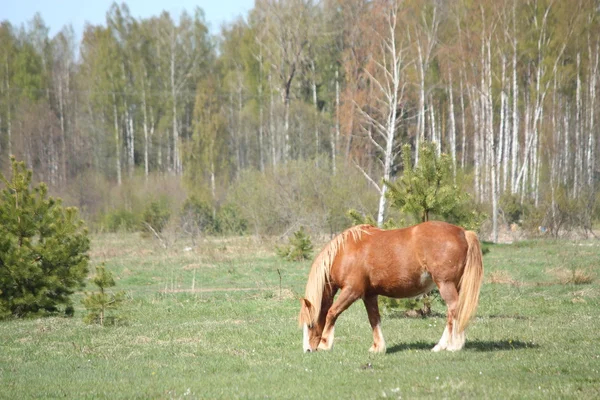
(286,34)
(382,117)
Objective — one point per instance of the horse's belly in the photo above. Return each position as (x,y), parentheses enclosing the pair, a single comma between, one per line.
(406,286)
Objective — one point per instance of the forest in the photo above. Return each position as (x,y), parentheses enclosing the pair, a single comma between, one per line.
(298,111)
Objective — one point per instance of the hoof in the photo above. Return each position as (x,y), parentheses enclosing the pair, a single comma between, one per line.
(437,348)
(454,348)
(324,346)
(377,349)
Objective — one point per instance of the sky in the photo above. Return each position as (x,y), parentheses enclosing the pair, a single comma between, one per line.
(58,13)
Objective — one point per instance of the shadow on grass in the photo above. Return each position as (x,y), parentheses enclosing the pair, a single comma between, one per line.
(502,345)
(476,345)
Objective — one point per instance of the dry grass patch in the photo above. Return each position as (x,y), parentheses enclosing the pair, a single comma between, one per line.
(502,277)
(191,267)
(573,276)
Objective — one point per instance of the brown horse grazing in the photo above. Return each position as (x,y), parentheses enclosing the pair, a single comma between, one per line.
(364,262)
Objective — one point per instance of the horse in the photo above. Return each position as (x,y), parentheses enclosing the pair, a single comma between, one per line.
(365,262)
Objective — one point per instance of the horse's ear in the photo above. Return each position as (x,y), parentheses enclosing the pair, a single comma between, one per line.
(305,303)
(305,312)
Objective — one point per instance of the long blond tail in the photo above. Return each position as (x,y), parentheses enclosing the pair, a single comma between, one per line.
(470,282)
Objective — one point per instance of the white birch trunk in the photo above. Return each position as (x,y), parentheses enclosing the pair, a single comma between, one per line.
(475,106)
(261,150)
(316,106)
(390,128)
(145,126)
(514,152)
(463,126)
(591,154)
(176,164)
(501,140)
(421,113)
(452,126)
(117,140)
(491,143)
(578,149)
(335,139)
(272,124)
(566,146)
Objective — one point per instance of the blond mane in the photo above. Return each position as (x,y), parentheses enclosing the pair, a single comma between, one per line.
(320,272)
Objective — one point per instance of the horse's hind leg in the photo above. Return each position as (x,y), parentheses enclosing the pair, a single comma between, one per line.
(451,339)
(345,299)
(375,321)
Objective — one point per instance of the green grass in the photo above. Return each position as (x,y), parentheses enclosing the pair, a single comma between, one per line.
(534,335)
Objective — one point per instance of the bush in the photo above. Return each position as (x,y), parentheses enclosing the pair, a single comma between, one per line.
(511,208)
(412,307)
(300,193)
(156,216)
(559,213)
(300,247)
(121,221)
(197,217)
(43,248)
(230,221)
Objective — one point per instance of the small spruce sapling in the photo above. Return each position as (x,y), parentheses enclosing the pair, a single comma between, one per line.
(100,302)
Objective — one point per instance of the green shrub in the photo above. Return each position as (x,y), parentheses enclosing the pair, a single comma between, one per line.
(300,193)
(100,303)
(43,248)
(121,221)
(513,210)
(412,307)
(300,247)
(156,216)
(197,217)
(230,221)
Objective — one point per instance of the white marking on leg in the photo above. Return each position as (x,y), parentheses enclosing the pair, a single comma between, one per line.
(443,343)
(305,339)
(380,340)
(328,345)
(457,339)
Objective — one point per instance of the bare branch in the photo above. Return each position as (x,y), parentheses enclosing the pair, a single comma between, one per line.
(368,177)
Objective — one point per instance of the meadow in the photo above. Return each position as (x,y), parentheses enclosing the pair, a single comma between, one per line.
(220,321)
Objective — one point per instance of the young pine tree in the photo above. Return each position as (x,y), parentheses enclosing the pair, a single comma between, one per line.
(428,189)
(43,248)
(300,247)
(101,302)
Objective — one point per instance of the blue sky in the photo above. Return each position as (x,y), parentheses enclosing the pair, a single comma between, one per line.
(57,13)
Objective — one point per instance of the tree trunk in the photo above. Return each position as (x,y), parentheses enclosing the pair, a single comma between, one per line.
(452,125)
(578,144)
(514,152)
(591,154)
(117,140)
(336,135)
(316,106)
(176,162)
(145,126)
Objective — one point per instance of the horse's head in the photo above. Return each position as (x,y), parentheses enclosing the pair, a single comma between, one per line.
(311,328)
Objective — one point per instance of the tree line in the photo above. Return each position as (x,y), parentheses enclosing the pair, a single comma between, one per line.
(506,88)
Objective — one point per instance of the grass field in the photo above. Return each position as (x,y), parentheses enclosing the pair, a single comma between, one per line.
(536,334)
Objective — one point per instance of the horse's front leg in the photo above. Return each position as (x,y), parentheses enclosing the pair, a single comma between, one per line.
(375,321)
(345,299)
